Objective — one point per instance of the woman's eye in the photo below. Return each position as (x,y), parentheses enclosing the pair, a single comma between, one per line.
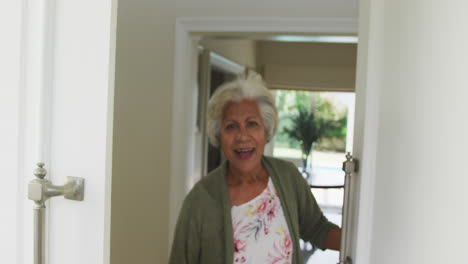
(252,123)
(231,126)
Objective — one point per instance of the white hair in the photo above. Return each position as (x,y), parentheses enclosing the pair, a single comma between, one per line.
(252,88)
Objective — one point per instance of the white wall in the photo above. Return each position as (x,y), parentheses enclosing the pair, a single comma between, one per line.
(143,105)
(420,211)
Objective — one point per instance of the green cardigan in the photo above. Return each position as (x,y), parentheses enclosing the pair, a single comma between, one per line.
(204,230)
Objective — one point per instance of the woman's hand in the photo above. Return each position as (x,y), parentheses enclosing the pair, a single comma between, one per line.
(333,239)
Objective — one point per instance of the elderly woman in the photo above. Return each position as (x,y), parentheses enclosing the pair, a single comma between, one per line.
(252,208)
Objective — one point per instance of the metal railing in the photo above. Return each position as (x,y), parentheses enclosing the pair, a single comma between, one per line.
(326,186)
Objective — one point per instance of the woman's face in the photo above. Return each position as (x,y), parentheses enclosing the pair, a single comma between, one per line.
(242,135)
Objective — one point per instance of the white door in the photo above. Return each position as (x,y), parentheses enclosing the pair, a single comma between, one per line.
(59,111)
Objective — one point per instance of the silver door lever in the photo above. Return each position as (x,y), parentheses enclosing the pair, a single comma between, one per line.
(39,190)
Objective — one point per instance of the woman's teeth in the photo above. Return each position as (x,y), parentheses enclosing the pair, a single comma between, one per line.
(244,150)
(245,154)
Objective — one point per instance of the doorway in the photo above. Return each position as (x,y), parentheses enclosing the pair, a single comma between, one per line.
(330,100)
(188,34)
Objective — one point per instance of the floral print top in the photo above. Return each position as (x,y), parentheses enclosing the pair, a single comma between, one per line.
(261,234)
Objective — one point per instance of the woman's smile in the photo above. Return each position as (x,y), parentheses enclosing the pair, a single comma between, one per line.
(245,153)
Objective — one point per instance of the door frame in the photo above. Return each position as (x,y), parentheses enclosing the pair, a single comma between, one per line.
(187,33)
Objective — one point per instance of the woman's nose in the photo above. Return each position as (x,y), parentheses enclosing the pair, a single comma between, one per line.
(242,134)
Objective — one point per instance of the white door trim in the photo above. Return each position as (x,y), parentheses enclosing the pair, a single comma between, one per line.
(268,25)
(183,108)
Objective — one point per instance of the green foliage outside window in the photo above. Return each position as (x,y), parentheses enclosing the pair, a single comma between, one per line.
(329,121)
(304,131)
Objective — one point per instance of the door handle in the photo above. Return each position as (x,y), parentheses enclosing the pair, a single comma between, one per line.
(39,190)
(349,167)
